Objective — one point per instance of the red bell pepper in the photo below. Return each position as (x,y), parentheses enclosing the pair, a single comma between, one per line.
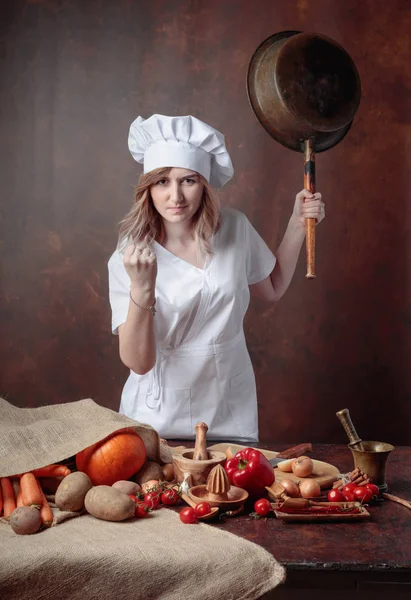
(250,469)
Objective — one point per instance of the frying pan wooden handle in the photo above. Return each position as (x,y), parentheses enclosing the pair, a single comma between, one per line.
(309,184)
(345,418)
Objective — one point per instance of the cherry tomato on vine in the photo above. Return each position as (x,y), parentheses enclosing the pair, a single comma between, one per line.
(348,492)
(169,497)
(348,496)
(262,507)
(188,515)
(142,509)
(202,509)
(362,494)
(335,496)
(374,489)
(152,499)
(349,487)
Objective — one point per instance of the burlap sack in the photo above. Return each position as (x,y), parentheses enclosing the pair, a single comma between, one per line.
(35,437)
(87,559)
(154,558)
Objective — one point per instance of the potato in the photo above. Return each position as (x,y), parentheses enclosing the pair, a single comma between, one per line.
(72,490)
(25,520)
(150,470)
(108,503)
(127,487)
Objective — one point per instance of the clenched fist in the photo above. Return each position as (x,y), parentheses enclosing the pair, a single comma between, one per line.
(308,205)
(140,263)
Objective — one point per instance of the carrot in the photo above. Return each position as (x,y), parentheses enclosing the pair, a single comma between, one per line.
(19,501)
(52,471)
(17,491)
(30,491)
(15,482)
(46,513)
(9,502)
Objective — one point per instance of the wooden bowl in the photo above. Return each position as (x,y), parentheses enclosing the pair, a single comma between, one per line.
(235,497)
(198,470)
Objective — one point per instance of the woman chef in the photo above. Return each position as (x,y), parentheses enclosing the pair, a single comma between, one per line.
(180,283)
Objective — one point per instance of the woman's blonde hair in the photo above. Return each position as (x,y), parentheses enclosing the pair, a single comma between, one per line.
(143,223)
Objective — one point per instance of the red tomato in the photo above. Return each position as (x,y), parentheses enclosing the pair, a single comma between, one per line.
(202,509)
(362,494)
(349,487)
(374,489)
(348,496)
(152,499)
(262,507)
(170,497)
(188,515)
(335,496)
(142,509)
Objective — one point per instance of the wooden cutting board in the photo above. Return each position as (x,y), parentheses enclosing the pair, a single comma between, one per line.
(324,473)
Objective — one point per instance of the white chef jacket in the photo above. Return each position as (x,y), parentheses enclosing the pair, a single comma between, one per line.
(203,371)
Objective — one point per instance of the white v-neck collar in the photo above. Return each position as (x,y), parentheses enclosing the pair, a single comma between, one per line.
(174,258)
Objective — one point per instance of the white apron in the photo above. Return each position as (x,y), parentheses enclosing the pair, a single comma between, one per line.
(203,371)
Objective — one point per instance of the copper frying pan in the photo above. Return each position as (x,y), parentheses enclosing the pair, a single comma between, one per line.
(305,90)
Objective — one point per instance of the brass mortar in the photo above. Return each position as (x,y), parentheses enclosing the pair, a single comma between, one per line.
(372,458)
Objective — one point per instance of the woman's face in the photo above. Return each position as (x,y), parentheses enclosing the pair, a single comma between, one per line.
(177,195)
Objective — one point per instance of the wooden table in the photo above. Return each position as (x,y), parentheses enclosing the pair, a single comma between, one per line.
(367,559)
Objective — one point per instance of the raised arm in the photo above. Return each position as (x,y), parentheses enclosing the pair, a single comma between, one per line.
(137,342)
(274,287)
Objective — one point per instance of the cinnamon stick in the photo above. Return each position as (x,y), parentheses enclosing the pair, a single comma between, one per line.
(397,499)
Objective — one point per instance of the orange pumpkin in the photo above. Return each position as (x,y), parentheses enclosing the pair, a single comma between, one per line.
(117,457)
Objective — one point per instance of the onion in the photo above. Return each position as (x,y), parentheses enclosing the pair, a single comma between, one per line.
(168,471)
(310,488)
(149,486)
(291,488)
(302,466)
(286,465)
(229,452)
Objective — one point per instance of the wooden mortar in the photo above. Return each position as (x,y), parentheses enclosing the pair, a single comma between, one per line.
(195,465)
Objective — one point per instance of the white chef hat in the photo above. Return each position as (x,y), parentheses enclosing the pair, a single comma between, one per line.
(184,142)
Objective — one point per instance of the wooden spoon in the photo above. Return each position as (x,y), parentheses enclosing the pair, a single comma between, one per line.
(214,509)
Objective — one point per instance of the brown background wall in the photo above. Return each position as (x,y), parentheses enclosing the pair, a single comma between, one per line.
(74,74)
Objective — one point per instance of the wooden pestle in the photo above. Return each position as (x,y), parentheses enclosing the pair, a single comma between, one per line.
(200,448)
